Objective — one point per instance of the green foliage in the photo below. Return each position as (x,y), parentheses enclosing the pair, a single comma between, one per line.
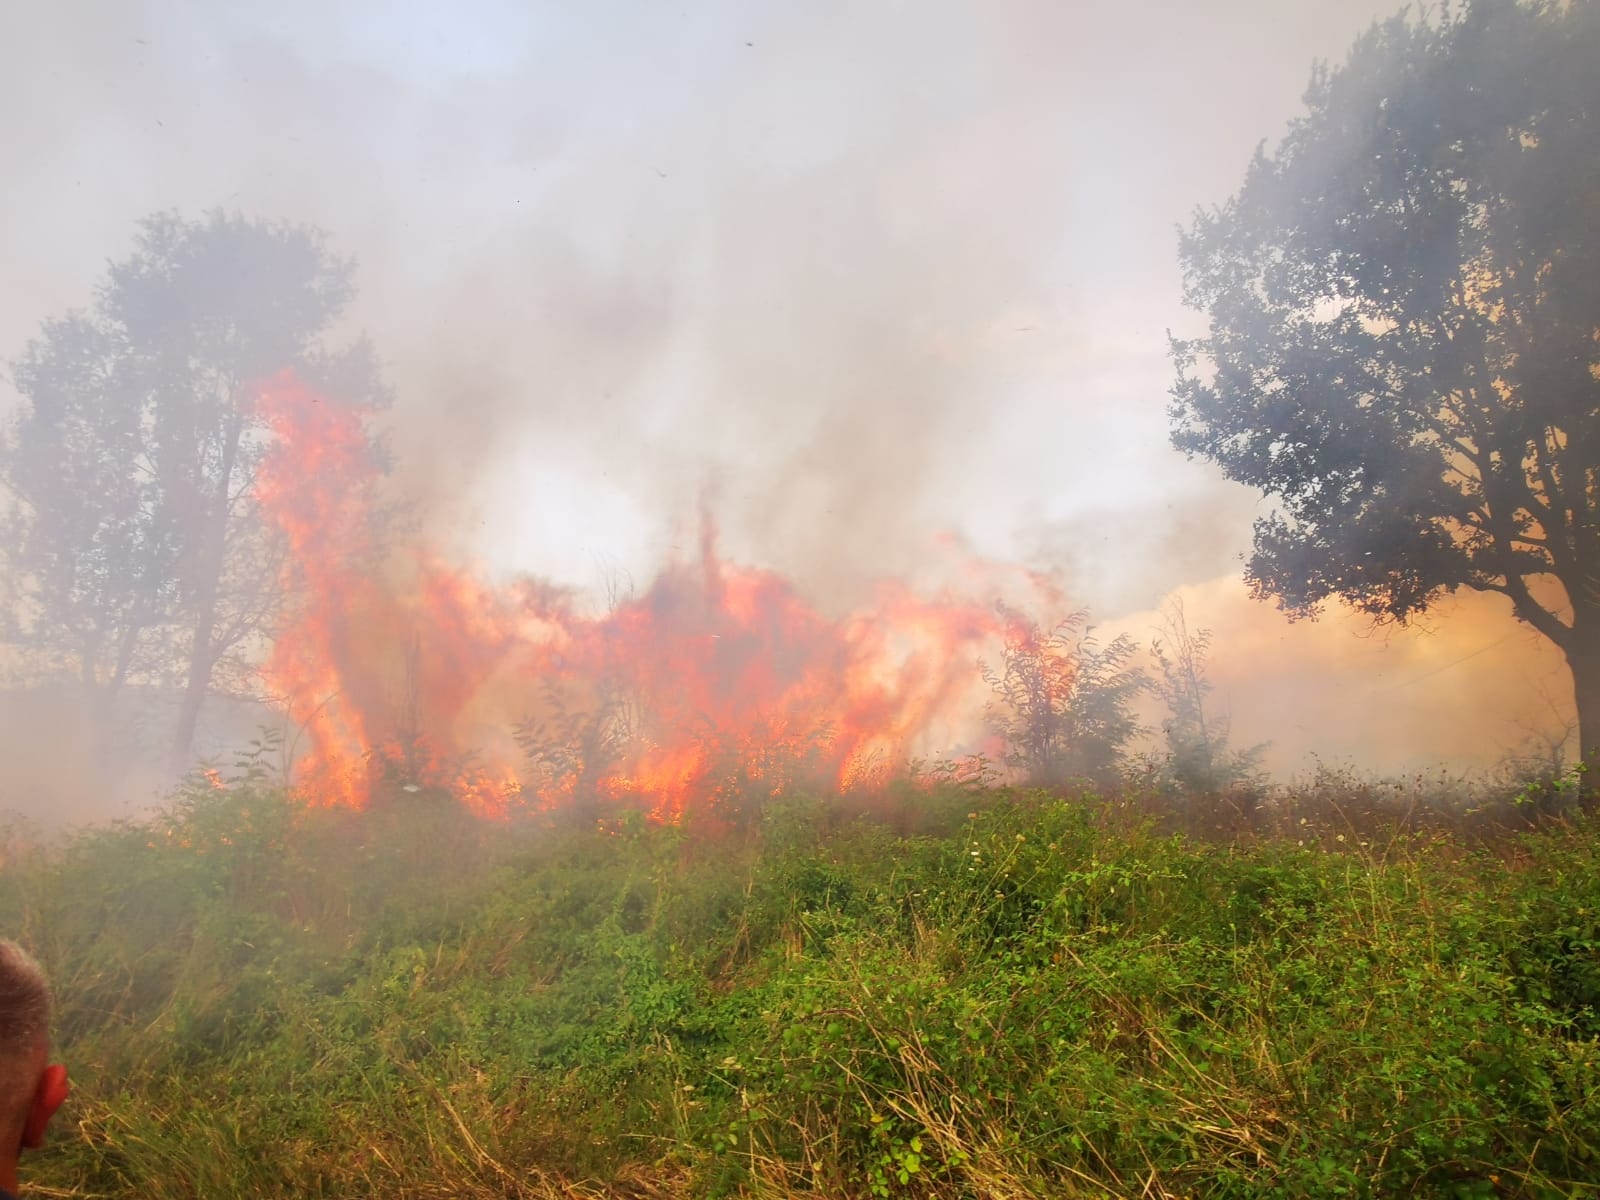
(1199,759)
(1402,306)
(1066,701)
(1033,998)
(134,552)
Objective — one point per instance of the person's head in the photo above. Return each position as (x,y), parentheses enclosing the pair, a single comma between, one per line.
(30,1088)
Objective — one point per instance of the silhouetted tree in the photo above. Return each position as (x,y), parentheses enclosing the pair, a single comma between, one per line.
(1067,701)
(1404,301)
(133,549)
(1199,758)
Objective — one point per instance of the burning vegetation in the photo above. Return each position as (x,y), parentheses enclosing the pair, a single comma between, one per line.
(718,683)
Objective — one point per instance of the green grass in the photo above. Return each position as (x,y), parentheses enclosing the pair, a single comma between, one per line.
(973,994)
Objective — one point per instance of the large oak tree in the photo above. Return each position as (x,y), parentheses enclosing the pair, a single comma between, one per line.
(1404,328)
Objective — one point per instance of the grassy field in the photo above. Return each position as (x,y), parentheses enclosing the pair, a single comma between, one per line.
(947,992)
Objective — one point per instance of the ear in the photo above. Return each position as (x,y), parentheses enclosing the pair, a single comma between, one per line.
(47,1097)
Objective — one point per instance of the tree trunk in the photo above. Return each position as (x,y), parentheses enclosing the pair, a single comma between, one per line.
(1584,658)
(194,693)
(210,565)
(102,693)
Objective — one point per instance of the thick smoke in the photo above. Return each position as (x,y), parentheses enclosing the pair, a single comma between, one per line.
(1459,690)
(859,274)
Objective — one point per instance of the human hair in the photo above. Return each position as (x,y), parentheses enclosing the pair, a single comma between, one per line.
(24,1027)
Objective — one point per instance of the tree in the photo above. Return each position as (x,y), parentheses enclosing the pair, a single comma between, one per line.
(134,550)
(1198,756)
(1067,710)
(1404,303)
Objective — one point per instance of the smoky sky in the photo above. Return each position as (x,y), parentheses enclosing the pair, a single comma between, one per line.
(866,271)
(858,274)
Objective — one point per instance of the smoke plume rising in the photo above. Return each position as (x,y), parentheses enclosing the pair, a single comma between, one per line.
(863,276)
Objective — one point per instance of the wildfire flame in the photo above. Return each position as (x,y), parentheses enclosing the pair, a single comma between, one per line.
(718,683)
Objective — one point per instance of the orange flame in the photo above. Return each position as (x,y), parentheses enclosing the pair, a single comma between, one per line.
(717,685)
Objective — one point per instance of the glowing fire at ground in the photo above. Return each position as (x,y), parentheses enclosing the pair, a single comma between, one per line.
(719,684)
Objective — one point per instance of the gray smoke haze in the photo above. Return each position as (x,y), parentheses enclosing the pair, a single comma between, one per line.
(874,270)
(867,272)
